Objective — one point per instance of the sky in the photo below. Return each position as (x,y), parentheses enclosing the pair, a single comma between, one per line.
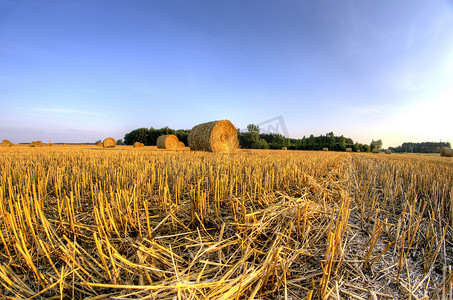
(79,71)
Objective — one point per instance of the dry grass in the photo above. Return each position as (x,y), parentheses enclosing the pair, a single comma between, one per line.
(124,224)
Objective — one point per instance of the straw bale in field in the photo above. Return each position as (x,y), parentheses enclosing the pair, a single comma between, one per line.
(181,145)
(49,144)
(325,149)
(99,145)
(138,145)
(168,141)
(215,136)
(6,143)
(388,151)
(358,151)
(375,150)
(284,148)
(446,152)
(348,149)
(109,143)
(36,144)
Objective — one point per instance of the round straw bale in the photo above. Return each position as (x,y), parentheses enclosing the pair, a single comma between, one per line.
(109,143)
(358,151)
(138,145)
(215,136)
(168,141)
(284,148)
(388,151)
(36,144)
(99,145)
(375,150)
(348,149)
(49,144)
(181,145)
(446,152)
(6,143)
(325,149)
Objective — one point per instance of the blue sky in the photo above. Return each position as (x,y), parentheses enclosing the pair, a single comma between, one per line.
(79,71)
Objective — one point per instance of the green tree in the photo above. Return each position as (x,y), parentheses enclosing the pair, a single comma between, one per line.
(119,142)
(376,144)
(260,144)
(342,143)
(254,132)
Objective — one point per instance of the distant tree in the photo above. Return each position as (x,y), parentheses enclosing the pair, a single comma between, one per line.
(137,135)
(98,142)
(260,144)
(342,143)
(424,147)
(119,142)
(254,132)
(365,148)
(376,144)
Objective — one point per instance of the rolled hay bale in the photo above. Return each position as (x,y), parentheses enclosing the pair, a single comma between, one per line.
(284,148)
(181,145)
(6,143)
(215,136)
(348,149)
(446,152)
(168,141)
(99,145)
(138,145)
(109,143)
(388,151)
(49,144)
(36,144)
(358,151)
(325,149)
(375,150)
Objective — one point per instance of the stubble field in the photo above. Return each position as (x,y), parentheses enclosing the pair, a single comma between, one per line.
(124,223)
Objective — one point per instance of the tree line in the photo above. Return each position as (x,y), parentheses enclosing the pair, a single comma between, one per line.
(149,136)
(254,139)
(424,147)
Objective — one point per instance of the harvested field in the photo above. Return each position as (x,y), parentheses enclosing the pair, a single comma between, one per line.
(124,224)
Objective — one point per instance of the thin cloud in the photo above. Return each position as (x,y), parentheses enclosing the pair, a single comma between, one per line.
(68,111)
